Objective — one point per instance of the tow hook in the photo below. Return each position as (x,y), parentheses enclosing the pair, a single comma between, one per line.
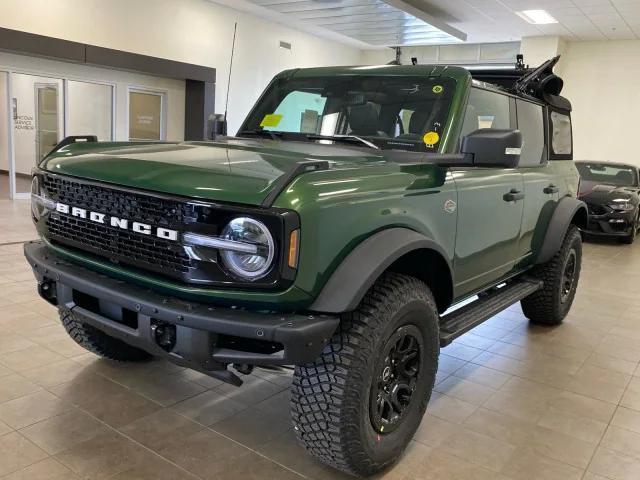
(47,290)
(164,335)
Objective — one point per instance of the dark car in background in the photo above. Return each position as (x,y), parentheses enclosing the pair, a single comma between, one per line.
(611,192)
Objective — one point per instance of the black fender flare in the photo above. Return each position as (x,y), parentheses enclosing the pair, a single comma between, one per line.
(564,213)
(365,263)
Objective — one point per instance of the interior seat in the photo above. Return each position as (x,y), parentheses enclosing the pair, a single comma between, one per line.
(364,120)
(417,126)
(624,177)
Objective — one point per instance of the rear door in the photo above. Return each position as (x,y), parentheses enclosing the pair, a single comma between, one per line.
(542,183)
(488,234)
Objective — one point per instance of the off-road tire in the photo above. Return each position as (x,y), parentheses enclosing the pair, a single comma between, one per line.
(546,306)
(330,398)
(99,342)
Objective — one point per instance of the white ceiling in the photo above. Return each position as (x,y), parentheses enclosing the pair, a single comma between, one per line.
(377,23)
(495,20)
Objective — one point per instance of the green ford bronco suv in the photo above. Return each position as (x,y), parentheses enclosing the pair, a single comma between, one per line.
(338,232)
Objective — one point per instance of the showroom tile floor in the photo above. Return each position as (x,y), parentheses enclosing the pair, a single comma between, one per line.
(512,401)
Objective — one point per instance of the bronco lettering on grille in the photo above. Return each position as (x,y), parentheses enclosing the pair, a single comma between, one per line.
(122,223)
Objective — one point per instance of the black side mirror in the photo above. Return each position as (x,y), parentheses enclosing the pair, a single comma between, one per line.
(217,125)
(492,147)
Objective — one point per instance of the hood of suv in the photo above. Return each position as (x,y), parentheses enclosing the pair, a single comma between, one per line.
(233,170)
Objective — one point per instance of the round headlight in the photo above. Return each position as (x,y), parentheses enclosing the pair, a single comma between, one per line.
(248,266)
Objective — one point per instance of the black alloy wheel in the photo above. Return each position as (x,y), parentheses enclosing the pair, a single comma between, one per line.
(568,276)
(397,375)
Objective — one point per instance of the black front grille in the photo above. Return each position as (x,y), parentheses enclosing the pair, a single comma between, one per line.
(118,245)
(121,203)
(153,253)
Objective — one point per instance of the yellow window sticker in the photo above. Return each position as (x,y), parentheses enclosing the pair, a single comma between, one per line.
(437,89)
(431,138)
(271,120)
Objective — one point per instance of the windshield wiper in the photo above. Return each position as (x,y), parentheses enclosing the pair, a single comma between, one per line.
(261,133)
(344,138)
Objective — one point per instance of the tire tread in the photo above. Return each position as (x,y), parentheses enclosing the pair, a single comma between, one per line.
(324,394)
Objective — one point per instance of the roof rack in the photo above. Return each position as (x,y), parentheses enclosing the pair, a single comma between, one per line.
(539,83)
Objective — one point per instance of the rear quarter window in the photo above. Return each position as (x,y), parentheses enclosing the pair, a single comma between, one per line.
(561,136)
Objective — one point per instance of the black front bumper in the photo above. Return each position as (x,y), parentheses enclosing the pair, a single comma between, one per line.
(203,337)
(611,225)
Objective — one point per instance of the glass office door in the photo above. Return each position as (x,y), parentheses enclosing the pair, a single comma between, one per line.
(47,119)
(44,110)
(37,105)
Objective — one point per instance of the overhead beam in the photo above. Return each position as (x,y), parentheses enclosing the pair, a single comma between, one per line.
(431,20)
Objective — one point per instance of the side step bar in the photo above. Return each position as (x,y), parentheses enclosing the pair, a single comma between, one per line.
(465,318)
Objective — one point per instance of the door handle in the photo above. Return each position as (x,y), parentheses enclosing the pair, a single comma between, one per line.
(513,196)
(551,189)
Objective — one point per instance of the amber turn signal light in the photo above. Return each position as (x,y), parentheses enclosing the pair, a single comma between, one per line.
(293,248)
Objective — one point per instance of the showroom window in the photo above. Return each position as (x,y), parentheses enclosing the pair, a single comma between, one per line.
(90,109)
(486,109)
(561,142)
(531,125)
(146,115)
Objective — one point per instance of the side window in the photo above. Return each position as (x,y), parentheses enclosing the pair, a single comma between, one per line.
(561,139)
(531,125)
(486,109)
(299,112)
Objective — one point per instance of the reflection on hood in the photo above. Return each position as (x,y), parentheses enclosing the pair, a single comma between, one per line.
(604,192)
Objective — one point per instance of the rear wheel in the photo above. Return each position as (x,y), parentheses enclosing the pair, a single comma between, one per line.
(99,342)
(357,406)
(549,305)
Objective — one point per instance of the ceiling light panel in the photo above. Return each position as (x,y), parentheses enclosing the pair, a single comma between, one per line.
(537,17)
(374,22)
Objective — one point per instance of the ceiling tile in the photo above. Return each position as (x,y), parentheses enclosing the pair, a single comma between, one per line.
(377,23)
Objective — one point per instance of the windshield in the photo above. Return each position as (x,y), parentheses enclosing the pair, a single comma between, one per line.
(405,113)
(619,175)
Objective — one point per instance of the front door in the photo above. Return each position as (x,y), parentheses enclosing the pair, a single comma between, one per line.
(488,226)
(490,203)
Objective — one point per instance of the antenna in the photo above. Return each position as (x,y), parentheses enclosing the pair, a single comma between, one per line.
(233,49)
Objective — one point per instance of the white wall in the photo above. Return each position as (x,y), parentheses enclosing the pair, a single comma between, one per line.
(537,50)
(601,80)
(194,31)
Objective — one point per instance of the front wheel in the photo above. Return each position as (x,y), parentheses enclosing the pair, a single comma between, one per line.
(549,305)
(358,405)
